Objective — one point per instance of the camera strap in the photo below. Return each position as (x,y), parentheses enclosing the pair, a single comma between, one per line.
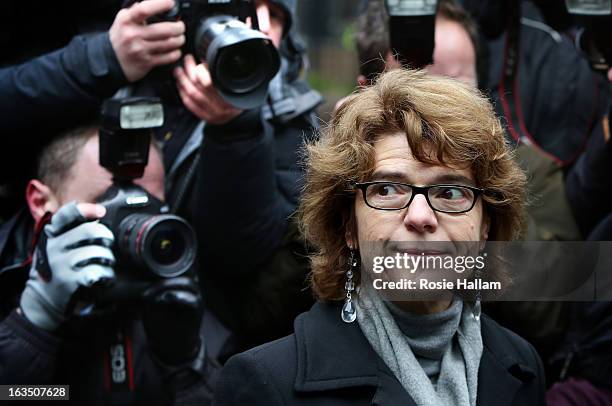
(119,369)
(508,85)
(176,185)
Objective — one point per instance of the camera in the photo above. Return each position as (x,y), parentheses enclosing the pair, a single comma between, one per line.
(594,40)
(242,61)
(149,243)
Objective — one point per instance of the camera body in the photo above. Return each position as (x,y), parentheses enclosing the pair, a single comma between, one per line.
(242,61)
(150,243)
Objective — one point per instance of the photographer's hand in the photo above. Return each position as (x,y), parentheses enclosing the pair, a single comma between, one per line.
(73,251)
(199,94)
(172,315)
(140,47)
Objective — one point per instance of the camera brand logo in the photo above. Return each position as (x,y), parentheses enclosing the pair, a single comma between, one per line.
(118,363)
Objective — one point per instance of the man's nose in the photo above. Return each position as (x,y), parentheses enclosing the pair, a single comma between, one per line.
(420,217)
(263,17)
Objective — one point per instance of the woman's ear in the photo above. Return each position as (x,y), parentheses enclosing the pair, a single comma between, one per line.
(484,228)
(350,233)
(351,242)
(40,199)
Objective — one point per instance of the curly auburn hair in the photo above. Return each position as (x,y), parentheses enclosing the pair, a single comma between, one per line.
(446,122)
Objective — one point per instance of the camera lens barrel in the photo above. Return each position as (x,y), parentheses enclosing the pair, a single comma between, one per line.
(242,61)
(163,244)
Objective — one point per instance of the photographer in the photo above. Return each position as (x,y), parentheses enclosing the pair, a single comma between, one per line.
(588,182)
(234,174)
(251,153)
(69,83)
(540,82)
(145,352)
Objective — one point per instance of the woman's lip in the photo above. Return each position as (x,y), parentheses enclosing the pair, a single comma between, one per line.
(432,248)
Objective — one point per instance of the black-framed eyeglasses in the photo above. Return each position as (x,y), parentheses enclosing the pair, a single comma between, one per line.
(383,195)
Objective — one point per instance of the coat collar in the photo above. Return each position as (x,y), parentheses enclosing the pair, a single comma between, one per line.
(332,355)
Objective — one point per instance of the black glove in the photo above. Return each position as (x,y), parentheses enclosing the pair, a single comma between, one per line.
(172,316)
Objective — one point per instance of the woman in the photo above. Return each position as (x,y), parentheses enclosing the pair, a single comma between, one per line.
(374,179)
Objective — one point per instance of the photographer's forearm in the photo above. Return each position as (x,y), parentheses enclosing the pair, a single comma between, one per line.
(241,214)
(62,85)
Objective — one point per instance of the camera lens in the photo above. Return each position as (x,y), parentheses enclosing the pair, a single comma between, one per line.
(240,68)
(242,61)
(163,244)
(167,245)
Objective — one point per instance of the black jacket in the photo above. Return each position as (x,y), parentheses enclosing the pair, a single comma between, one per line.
(585,350)
(57,89)
(588,182)
(81,356)
(328,362)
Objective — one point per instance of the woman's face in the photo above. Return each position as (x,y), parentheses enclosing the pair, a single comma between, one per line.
(418,222)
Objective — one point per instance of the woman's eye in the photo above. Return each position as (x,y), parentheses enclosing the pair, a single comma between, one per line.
(386,190)
(451,193)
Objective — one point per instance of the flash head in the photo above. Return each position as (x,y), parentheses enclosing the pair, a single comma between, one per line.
(411,30)
(595,17)
(589,7)
(132,113)
(411,8)
(125,134)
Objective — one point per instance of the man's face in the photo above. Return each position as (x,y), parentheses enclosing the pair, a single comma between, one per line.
(454,54)
(418,222)
(88,180)
(271,20)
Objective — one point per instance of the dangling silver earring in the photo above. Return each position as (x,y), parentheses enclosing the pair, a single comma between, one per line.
(477,309)
(349,313)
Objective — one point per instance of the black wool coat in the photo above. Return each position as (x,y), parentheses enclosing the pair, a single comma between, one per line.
(329,362)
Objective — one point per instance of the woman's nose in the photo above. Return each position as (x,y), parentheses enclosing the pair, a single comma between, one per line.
(420,217)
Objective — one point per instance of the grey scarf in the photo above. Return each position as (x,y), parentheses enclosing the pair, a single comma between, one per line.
(456,372)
